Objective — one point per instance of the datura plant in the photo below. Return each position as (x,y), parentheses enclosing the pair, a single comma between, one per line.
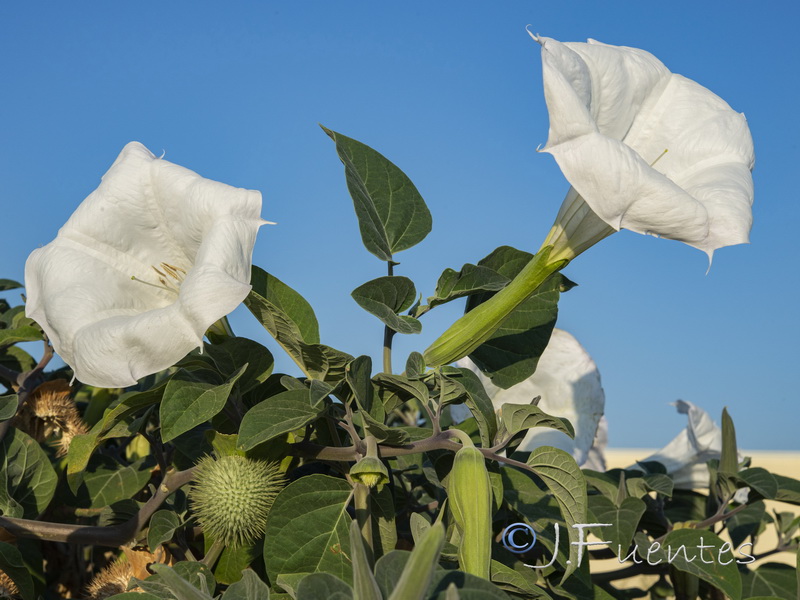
(167,459)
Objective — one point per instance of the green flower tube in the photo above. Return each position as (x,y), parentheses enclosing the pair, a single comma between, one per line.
(478,325)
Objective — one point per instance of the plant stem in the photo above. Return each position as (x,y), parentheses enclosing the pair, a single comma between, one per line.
(388,333)
(361,502)
(213,553)
(113,536)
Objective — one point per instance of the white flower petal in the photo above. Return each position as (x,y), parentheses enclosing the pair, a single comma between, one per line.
(568,382)
(614,111)
(146,213)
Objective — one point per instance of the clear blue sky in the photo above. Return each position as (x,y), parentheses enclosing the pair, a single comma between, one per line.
(452,93)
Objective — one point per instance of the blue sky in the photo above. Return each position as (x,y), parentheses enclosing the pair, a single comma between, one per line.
(452,93)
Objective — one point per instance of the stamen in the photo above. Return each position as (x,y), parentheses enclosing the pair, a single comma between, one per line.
(660,156)
(158,287)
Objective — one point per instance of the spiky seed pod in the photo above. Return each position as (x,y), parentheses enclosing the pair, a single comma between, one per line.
(50,410)
(231,497)
(8,589)
(112,580)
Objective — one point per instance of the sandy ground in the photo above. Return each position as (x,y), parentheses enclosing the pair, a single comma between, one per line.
(783,463)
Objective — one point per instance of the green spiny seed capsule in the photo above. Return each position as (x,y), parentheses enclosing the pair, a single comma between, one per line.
(231,497)
(470,494)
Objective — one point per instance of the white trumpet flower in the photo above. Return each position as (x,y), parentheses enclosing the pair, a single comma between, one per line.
(568,382)
(644,149)
(149,260)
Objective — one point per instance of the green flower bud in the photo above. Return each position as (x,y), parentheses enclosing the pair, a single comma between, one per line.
(370,471)
(231,497)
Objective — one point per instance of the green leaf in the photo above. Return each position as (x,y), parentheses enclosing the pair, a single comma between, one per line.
(232,562)
(729,456)
(232,353)
(760,481)
(512,353)
(16,359)
(287,301)
(562,476)
(136,596)
(277,415)
(29,478)
(523,580)
(9,284)
(386,297)
(415,366)
(623,520)
(26,333)
(788,489)
(469,587)
(189,401)
(323,585)
(472,279)
(107,482)
(180,581)
(715,564)
(291,321)
(420,568)
(519,417)
(364,583)
(392,216)
(8,406)
(480,405)
(12,564)
(249,587)
(384,531)
(163,524)
(771,579)
(748,522)
(310,517)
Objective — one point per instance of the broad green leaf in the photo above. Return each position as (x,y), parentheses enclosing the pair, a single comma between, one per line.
(386,297)
(480,405)
(771,579)
(232,562)
(277,415)
(415,366)
(232,353)
(384,531)
(623,520)
(715,564)
(249,587)
(189,401)
(323,585)
(9,284)
(30,479)
(392,215)
(26,333)
(729,461)
(310,517)
(512,353)
(288,301)
(788,489)
(420,568)
(8,406)
(107,482)
(472,279)
(12,564)
(184,583)
(518,417)
(523,580)
(749,522)
(136,596)
(163,524)
(469,587)
(562,476)
(357,375)
(16,359)
(760,481)
(404,387)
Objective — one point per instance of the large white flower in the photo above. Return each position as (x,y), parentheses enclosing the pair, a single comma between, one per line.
(644,149)
(149,260)
(568,382)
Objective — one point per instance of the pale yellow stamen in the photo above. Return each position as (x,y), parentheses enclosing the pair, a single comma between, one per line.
(166,274)
(660,156)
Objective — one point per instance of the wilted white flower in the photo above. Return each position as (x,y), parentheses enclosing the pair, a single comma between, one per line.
(644,149)
(149,260)
(568,382)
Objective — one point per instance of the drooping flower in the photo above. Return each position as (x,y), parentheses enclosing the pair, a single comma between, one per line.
(568,382)
(149,260)
(644,149)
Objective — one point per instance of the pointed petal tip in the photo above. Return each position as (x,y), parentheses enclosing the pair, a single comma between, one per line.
(536,37)
(263,222)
